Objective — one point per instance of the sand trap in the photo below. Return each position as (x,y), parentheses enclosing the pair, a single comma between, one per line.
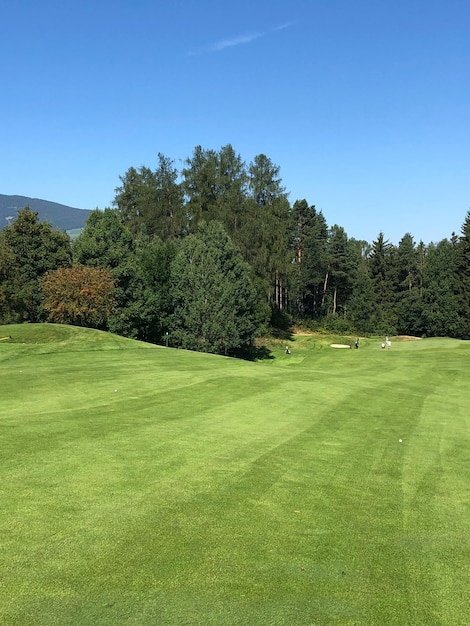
(339,345)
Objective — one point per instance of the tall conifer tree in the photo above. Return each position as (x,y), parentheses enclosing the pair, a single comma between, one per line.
(462,267)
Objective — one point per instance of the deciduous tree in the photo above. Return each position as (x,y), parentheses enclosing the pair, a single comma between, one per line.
(107,243)
(79,295)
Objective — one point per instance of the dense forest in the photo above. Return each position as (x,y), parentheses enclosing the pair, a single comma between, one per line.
(211,256)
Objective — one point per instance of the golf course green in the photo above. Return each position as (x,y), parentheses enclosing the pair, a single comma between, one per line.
(146,485)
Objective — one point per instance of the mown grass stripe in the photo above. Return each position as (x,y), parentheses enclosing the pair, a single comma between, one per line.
(209,490)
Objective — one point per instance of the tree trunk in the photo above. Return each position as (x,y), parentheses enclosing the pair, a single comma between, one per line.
(325,287)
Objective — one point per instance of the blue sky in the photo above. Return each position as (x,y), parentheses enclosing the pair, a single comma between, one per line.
(364,105)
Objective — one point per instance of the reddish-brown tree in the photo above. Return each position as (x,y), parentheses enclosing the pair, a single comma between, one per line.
(79,295)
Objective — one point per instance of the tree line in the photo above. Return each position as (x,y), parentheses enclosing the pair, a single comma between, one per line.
(210,256)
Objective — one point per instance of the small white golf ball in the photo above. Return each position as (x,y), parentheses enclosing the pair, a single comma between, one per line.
(400,440)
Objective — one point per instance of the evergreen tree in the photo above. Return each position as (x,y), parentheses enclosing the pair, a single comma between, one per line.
(382,270)
(151,202)
(341,269)
(440,311)
(408,292)
(201,187)
(361,307)
(153,295)
(215,186)
(462,274)
(28,249)
(264,241)
(265,183)
(309,259)
(232,181)
(214,302)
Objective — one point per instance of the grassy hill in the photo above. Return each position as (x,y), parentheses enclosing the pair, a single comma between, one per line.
(59,215)
(146,485)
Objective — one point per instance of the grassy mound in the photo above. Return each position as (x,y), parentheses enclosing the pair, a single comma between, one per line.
(145,485)
(59,336)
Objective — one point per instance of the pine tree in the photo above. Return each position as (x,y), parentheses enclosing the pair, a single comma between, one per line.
(382,271)
(408,296)
(264,240)
(309,259)
(341,268)
(151,202)
(200,187)
(462,272)
(440,312)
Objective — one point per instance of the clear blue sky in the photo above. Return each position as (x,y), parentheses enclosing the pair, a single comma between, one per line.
(364,104)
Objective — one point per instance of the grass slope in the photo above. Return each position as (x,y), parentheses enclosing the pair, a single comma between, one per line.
(144,485)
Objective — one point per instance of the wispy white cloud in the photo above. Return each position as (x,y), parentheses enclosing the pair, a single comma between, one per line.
(235,41)
(282,26)
(240,40)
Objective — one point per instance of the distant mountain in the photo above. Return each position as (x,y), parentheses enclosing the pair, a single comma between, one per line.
(59,215)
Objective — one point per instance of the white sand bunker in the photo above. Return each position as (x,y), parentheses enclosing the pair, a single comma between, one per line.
(339,345)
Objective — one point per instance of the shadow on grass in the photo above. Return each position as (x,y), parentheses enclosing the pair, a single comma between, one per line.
(285,335)
(255,353)
(262,352)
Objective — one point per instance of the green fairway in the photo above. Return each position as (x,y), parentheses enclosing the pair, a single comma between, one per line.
(145,485)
